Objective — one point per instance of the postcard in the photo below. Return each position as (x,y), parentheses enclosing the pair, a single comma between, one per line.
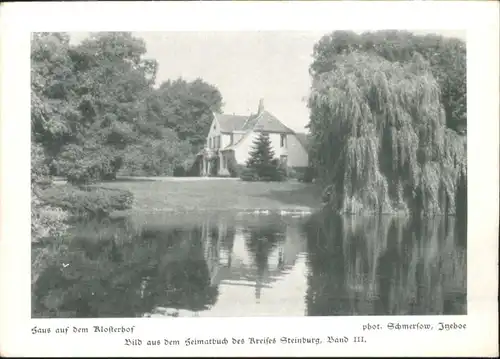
(249,179)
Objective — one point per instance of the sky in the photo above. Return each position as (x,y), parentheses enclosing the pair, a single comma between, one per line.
(244,66)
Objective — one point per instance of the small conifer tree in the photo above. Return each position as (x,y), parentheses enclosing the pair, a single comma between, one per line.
(262,161)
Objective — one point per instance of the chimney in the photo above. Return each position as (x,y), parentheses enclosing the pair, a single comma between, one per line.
(261,106)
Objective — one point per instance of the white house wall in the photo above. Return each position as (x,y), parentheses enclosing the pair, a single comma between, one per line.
(225,138)
(214,131)
(241,152)
(297,154)
(237,137)
(276,144)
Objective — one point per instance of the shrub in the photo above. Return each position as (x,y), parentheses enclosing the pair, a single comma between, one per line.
(87,201)
(249,174)
(276,175)
(292,173)
(309,175)
(302,174)
(158,157)
(179,171)
(193,168)
(46,221)
(39,168)
(234,168)
(87,164)
(239,168)
(297,173)
(280,175)
(272,171)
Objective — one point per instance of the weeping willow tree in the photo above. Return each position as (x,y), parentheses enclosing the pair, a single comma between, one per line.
(379,138)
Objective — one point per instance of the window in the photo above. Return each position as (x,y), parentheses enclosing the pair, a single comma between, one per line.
(210,142)
(224,162)
(231,139)
(283,141)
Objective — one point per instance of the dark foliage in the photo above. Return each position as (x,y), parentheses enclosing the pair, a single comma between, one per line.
(261,165)
(446,56)
(380,139)
(95,111)
(234,168)
(86,201)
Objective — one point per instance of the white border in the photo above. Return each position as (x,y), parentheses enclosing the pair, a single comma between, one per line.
(480,19)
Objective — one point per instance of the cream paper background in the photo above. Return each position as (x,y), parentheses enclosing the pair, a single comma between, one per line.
(478,18)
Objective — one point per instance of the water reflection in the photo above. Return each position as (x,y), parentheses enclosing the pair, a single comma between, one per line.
(385,266)
(271,265)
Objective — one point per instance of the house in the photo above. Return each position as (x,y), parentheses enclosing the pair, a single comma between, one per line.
(231,139)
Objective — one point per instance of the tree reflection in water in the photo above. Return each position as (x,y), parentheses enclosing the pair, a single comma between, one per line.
(114,270)
(385,266)
(351,266)
(260,242)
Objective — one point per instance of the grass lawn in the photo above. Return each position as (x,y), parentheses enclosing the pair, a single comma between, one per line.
(220,194)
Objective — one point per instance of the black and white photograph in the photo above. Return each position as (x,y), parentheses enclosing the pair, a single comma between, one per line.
(249,178)
(249,174)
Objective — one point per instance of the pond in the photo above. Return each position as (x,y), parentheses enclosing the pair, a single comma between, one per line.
(256,264)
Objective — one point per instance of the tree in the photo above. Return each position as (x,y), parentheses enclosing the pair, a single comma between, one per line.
(88,99)
(446,56)
(187,108)
(95,110)
(261,161)
(114,81)
(158,156)
(53,104)
(380,139)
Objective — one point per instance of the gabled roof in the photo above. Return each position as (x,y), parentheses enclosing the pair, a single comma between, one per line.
(269,123)
(260,122)
(230,123)
(250,123)
(263,121)
(232,146)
